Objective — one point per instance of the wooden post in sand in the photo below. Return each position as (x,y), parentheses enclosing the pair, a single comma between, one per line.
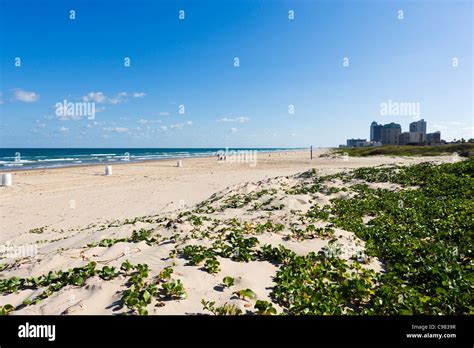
(311,151)
(6,179)
(108,170)
(179,164)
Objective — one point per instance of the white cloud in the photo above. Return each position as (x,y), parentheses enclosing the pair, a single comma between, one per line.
(181,125)
(234,130)
(118,99)
(25,96)
(63,129)
(40,124)
(97,97)
(93,124)
(177,126)
(116,129)
(139,94)
(101,98)
(144,121)
(164,113)
(235,119)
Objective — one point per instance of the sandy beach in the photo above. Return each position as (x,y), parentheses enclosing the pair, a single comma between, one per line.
(178,171)
(43,197)
(66,212)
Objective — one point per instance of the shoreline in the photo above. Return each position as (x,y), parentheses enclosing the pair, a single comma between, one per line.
(120,162)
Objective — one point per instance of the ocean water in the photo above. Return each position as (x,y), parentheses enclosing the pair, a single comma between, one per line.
(22,158)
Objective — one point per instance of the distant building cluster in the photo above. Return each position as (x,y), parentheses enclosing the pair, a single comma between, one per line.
(391,134)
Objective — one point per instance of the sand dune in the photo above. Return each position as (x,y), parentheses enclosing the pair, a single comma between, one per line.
(67,212)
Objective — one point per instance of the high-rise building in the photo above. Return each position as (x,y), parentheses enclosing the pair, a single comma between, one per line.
(390,133)
(376,131)
(404,138)
(418,126)
(411,138)
(357,142)
(433,138)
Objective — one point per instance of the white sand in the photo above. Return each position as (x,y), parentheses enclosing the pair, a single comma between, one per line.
(76,206)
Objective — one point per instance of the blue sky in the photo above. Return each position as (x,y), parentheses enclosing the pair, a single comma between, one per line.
(190,62)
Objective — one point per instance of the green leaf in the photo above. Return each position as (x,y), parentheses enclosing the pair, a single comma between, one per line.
(146,296)
(247,293)
(228,281)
